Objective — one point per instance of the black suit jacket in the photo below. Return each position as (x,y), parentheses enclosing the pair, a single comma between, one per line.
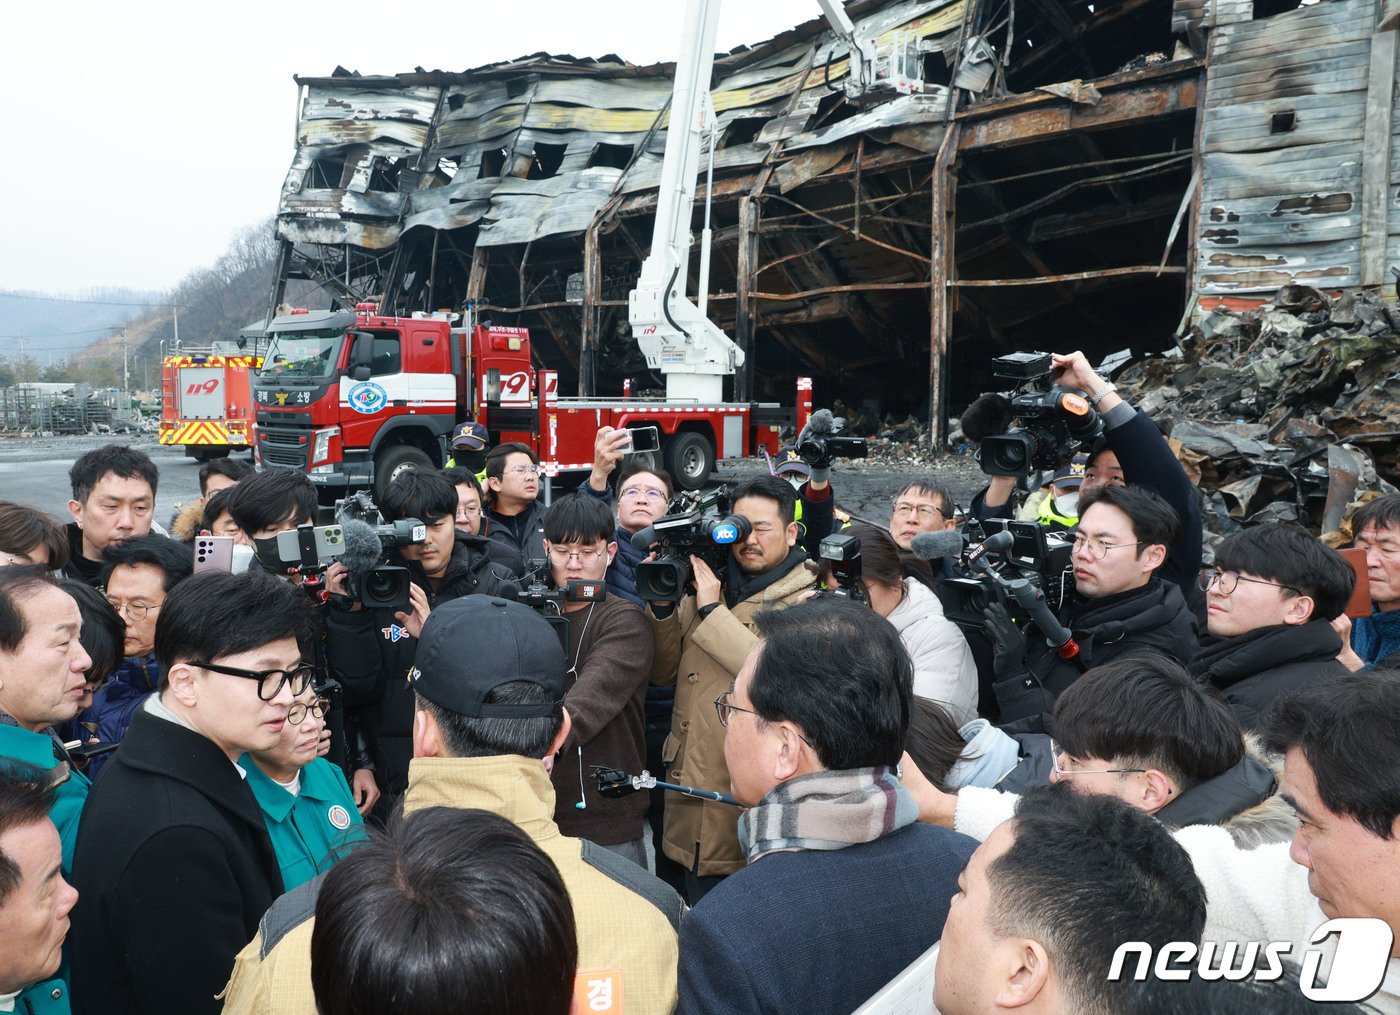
(174,869)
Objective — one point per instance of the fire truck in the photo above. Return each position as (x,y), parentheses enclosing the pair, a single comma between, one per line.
(207,401)
(351,398)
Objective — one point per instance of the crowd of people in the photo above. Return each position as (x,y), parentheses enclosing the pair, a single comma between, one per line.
(243,789)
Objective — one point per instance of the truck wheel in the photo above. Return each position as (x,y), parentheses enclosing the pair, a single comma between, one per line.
(690,459)
(395,460)
(207,453)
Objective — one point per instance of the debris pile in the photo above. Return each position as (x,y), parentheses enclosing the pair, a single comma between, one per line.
(1290,412)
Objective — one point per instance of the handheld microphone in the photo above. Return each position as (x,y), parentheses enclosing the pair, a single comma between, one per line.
(362,547)
(937,545)
(997,542)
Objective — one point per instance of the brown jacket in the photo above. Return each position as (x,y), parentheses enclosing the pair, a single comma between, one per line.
(610,662)
(702,658)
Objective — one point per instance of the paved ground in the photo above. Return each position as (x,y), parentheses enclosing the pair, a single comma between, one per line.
(35,471)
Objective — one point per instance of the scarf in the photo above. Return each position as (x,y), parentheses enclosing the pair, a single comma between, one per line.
(827,810)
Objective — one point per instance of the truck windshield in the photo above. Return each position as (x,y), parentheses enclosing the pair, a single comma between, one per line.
(302,354)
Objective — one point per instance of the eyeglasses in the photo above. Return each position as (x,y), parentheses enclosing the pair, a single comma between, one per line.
(1096,546)
(469,512)
(270,682)
(1058,753)
(1229,581)
(134,611)
(926,512)
(562,555)
(725,709)
(651,495)
(319,708)
(523,470)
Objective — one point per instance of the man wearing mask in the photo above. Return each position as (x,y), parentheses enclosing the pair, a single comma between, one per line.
(701,644)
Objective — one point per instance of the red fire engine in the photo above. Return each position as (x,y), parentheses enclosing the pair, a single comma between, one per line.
(207,402)
(351,398)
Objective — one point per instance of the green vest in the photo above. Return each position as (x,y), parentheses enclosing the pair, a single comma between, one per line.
(309,831)
(37,749)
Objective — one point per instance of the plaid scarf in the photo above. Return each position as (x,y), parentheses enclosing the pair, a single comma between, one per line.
(827,810)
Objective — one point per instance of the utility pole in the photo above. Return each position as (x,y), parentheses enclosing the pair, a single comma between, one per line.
(126,376)
(175,312)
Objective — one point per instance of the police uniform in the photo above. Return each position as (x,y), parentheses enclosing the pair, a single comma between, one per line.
(312,829)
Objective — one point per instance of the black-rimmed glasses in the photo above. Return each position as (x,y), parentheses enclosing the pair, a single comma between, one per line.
(1230,580)
(270,682)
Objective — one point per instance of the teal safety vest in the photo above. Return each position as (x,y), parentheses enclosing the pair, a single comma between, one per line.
(312,830)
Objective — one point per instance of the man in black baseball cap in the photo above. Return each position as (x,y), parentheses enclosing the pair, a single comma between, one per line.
(489,681)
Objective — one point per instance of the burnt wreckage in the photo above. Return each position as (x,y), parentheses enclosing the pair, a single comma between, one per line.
(1073,174)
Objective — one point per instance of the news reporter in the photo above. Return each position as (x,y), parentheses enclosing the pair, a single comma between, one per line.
(899,588)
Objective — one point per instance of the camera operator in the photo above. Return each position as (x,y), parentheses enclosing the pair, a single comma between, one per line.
(701,644)
(262,506)
(899,587)
(1121,605)
(1132,451)
(609,659)
(371,649)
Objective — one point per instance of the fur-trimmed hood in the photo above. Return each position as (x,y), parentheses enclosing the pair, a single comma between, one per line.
(188,518)
(1271,819)
(1244,800)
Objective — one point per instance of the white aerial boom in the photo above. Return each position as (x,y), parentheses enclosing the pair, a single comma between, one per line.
(674,334)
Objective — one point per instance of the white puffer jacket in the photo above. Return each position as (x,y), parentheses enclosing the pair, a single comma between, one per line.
(944,670)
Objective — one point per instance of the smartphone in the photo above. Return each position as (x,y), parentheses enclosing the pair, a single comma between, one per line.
(644,439)
(1359,605)
(310,545)
(213,553)
(87,750)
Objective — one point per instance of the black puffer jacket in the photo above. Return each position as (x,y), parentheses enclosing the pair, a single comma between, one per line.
(371,654)
(1256,668)
(1153,619)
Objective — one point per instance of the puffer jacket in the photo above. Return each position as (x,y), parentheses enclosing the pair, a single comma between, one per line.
(1258,667)
(524,532)
(702,657)
(134,680)
(371,655)
(944,670)
(1154,619)
(185,523)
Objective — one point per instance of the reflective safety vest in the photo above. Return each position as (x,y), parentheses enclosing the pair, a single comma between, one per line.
(1049,516)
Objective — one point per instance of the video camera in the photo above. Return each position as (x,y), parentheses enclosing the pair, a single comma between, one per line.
(693,524)
(548,600)
(1054,421)
(369,547)
(842,551)
(822,448)
(1022,565)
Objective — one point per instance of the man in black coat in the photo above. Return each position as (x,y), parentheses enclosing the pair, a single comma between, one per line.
(1120,605)
(371,650)
(1272,597)
(173,865)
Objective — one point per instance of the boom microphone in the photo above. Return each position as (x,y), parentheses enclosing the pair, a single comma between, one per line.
(997,542)
(362,547)
(643,539)
(988,416)
(821,422)
(937,545)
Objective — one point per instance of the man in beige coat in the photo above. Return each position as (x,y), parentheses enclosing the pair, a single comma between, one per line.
(701,644)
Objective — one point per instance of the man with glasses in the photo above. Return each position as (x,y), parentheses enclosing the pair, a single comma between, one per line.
(1120,605)
(1376,528)
(701,644)
(306,803)
(514,514)
(173,859)
(140,573)
(609,658)
(1271,598)
(843,888)
(922,506)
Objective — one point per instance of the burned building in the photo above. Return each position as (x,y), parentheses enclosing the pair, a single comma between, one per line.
(1074,174)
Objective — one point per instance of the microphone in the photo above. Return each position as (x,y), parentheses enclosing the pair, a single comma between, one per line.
(989,415)
(821,421)
(937,545)
(642,540)
(997,542)
(362,547)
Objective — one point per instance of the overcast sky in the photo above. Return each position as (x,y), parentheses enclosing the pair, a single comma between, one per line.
(140,137)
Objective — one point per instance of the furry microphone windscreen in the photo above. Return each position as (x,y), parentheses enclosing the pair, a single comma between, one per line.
(362,547)
(988,416)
